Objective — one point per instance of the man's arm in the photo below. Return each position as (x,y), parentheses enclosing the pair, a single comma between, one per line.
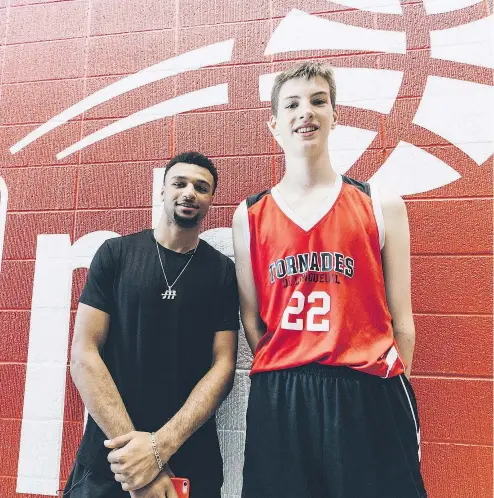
(94,382)
(91,376)
(205,398)
(249,309)
(132,460)
(397,274)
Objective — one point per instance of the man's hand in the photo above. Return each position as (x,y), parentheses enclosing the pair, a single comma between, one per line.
(132,460)
(161,487)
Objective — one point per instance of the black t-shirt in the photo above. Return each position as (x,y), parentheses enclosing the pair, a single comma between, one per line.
(158,349)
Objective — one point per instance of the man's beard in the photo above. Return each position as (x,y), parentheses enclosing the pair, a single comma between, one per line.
(183,222)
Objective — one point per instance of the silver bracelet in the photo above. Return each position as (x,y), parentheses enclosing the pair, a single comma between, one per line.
(156,454)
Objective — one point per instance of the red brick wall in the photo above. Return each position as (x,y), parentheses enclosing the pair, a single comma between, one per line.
(55,53)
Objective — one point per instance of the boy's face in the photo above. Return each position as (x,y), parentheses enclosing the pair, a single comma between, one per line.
(305,115)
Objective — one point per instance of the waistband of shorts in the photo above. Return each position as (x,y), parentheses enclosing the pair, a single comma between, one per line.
(326,371)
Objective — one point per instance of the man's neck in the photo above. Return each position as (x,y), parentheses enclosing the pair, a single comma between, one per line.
(176,238)
(304,173)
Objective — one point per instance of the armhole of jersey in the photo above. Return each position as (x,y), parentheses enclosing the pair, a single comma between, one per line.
(378,214)
(244,218)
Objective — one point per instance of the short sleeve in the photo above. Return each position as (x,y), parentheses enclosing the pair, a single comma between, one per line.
(227,303)
(98,290)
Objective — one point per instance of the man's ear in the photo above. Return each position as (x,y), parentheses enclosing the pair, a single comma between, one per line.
(335,120)
(162,193)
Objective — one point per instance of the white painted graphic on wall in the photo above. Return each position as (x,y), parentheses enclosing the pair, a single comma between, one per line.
(468,43)
(42,418)
(459,111)
(463,114)
(384,6)
(4,199)
(407,170)
(195,59)
(206,97)
(362,88)
(302,31)
(440,6)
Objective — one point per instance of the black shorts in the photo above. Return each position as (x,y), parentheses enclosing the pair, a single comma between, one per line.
(331,432)
(83,483)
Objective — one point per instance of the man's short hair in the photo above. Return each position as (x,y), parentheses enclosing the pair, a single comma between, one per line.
(307,70)
(196,158)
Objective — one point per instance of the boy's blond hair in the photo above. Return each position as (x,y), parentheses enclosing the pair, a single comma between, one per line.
(307,70)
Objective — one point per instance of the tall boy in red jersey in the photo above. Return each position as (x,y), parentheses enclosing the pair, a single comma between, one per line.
(323,266)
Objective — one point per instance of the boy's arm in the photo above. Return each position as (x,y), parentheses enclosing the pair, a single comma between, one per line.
(249,309)
(397,273)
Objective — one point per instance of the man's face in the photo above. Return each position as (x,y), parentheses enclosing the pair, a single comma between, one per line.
(305,115)
(187,194)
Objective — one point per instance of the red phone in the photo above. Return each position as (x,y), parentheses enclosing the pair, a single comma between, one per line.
(182,486)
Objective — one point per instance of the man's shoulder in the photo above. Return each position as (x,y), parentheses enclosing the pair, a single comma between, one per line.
(126,241)
(118,247)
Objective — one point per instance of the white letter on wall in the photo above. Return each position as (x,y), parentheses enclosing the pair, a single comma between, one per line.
(44,396)
(4,197)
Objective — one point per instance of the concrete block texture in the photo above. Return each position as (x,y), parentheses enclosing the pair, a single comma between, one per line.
(244,359)
(231,415)
(232,448)
(421,92)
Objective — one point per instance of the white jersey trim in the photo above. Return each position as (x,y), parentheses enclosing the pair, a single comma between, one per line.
(244,218)
(304,223)
(378,213)
(391,358)
(417,430)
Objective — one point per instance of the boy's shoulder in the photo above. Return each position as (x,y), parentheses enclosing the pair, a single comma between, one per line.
(254,198)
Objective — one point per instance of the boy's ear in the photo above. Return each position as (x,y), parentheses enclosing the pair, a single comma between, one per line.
(162,193)
(272,126)
(335,120)
(274,130)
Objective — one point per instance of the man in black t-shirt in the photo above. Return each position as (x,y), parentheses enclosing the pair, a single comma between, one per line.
(154,351)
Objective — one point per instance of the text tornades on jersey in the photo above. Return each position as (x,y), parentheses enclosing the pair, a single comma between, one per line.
(319,262)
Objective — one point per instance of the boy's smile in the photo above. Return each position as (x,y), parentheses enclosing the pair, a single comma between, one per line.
(305,115)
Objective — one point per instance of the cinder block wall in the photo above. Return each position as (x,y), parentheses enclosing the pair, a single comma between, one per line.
(415,100)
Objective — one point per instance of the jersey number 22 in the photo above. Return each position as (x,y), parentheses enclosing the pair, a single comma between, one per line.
(321,298)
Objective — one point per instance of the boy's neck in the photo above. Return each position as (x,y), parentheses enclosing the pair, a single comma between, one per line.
(307,172)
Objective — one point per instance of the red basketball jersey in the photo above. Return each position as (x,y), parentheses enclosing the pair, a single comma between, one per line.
(320,284)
